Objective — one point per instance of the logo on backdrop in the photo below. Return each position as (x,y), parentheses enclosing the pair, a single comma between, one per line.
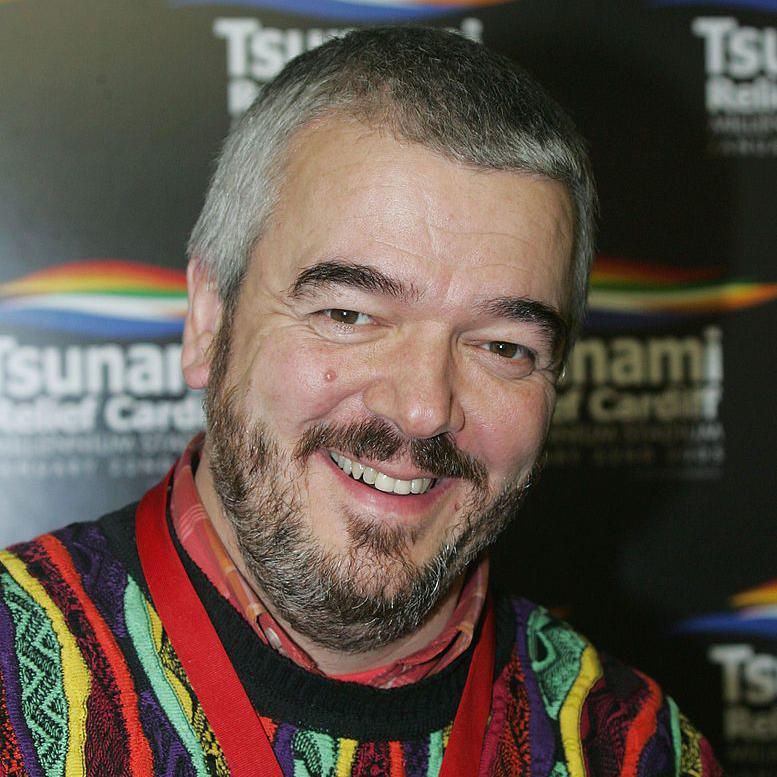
(740,64)
(256,53)
(90,377)
(643,386)
(365,12)
(742,644)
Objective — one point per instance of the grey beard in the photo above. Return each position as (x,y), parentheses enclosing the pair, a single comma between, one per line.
(370,594)
(361,599)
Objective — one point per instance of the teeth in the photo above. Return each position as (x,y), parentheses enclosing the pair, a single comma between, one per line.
(381,481)
(402,486)
(384,483)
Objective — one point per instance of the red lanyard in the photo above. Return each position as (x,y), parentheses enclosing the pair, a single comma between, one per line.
(234,721)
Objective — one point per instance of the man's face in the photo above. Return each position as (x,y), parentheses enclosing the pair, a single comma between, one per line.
(400,324)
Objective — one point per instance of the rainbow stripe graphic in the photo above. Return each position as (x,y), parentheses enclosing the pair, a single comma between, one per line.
(106,298)
(368,11)
(754,615)
(632,295)
(117,299)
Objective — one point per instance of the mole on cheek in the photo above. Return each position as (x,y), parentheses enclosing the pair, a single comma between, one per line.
(329,376)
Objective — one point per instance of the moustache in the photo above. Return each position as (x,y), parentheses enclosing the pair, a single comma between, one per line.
(377,439)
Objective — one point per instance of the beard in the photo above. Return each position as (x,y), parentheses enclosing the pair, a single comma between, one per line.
(370,593)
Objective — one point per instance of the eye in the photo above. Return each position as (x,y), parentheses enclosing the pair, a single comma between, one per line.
(346,317)
(509,350)
(514,356)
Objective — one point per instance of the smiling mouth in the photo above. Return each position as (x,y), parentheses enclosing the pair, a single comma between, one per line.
(380,481)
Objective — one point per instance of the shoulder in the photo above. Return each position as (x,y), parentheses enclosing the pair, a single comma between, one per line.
(86,672)
(72,570)
(106,536)
(596,713)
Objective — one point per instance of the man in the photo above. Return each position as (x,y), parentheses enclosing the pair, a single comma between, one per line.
(384,283)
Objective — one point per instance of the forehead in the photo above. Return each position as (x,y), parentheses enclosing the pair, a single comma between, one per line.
(351,192)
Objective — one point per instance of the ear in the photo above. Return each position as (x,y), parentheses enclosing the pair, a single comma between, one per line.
(202,321)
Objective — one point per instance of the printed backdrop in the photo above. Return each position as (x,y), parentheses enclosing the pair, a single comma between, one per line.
(653,528)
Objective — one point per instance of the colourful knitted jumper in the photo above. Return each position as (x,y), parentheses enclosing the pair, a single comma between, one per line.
(91,685)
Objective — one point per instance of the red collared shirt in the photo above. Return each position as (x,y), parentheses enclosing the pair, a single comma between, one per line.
(201,541)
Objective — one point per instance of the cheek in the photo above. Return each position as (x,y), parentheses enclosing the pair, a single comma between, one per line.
(510,431)
(297,383)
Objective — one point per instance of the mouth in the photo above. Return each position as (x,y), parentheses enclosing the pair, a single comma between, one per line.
(378,480)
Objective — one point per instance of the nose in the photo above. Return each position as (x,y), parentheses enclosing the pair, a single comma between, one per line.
(415,387)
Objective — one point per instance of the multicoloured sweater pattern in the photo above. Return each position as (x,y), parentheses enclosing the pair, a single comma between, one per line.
(90,685)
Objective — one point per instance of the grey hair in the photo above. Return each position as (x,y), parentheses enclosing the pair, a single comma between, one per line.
(422,85)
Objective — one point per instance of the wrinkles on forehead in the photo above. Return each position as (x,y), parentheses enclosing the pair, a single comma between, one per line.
(352,196)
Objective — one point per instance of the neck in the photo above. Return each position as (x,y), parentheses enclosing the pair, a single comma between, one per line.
(331,662)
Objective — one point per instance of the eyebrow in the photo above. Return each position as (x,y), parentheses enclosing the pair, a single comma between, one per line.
(530,311)
(336,272)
